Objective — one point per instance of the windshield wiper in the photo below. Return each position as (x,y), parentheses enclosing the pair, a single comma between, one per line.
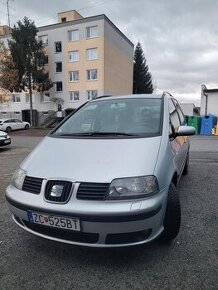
(99,133)
(96,133)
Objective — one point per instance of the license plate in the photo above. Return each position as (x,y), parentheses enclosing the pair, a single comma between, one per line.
(7,141)
(60,222)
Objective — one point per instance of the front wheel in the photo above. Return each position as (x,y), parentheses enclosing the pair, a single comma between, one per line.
(27,127)
(172,219)
(8,129)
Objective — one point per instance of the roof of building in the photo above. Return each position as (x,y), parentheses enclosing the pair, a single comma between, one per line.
(206,90)
(78,21)
(211,90)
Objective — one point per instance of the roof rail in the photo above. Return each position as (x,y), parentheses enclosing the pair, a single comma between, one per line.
(167,93)
(103,96)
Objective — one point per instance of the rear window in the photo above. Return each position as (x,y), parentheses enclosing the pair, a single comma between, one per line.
(130,117)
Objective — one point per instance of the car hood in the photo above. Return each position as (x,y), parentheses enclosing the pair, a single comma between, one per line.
(3,134)
(92,160)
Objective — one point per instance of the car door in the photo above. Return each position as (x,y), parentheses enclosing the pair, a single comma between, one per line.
(13,124)
(9,123)
(177,143)
(19,124)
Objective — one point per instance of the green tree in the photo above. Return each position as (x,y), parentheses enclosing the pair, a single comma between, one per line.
(29,58)
(142,78)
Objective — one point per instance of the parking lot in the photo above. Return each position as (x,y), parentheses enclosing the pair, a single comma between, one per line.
(190,262)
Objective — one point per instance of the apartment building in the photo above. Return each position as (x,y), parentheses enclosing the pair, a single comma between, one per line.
(87,57)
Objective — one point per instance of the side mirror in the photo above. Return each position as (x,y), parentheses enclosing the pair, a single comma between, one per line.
(185,131)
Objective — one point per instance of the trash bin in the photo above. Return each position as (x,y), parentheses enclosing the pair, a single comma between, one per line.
(195,121)
(216,129)
(208,122)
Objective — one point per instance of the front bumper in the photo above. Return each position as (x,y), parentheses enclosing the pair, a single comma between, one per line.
(103,223)
(5,142)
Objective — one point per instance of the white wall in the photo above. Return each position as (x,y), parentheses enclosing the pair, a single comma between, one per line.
(38,104)
(212,103)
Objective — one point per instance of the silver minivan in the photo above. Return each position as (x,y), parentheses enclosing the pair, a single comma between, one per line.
(106,176)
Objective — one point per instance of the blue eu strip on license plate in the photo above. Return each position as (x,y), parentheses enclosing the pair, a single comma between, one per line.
(62,222)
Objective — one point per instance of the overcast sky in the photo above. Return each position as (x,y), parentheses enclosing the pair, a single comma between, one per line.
(179,37)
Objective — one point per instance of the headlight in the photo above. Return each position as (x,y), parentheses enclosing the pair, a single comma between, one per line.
(18,178)
(133,187)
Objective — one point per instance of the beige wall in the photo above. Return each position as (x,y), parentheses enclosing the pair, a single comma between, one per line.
(69,15)
(83,64)
(4,30)
(118,70)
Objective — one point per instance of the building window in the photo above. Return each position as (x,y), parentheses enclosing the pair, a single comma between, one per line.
(4,113)
(59,87)
(58,67)
(74,96)
(91,31)
(43,39)
(73,56)
(74,76)
(91,94)
(92,74)
(92,53)
(27,98)
(73,35)
(46,59)
(58,46)
(15,98)
(16,113)
(45,113)
(45,97)
(63,19)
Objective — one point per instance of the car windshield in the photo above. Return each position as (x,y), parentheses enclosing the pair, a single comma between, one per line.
(115,117)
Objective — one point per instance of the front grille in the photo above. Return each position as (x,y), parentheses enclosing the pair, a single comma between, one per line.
(2,142)
(32,184)
(92,191)
(65,191)
(81,237)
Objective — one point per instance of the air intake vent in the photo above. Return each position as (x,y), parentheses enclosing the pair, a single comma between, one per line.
(92,191)
(32,184)
(58,191)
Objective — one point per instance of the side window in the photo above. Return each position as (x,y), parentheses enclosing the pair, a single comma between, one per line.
(181,116)
(180,112)
(174,118)
(170,128)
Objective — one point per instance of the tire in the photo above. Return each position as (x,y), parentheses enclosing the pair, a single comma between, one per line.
(186,167)
(172,219)
(8,129)
(26,127)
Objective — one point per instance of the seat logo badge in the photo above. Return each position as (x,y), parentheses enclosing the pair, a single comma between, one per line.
(56,190)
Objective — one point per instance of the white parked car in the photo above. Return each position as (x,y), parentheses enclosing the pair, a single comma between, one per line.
(11,124)
(5,140)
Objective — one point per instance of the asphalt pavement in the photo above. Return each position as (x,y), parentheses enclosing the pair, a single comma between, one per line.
(190,262)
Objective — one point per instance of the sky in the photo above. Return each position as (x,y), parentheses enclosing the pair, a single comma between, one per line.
(179,37)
